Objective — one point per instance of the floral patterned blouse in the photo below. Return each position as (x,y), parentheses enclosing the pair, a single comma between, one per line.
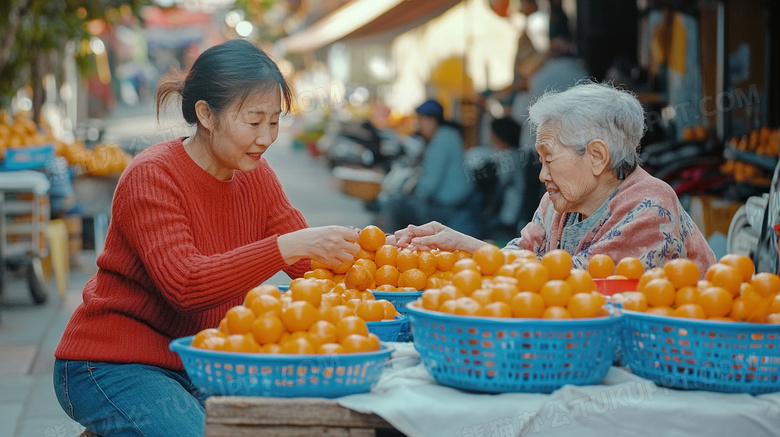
(643,218)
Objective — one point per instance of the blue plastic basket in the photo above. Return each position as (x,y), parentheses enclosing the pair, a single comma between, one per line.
(731,357)
(283,288)
(27,157)
(388,330)
(400,299)
(281,375)
(498,355)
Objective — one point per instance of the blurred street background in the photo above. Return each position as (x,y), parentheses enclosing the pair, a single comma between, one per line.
(77,85)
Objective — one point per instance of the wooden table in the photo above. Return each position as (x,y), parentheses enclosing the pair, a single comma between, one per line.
(289,417)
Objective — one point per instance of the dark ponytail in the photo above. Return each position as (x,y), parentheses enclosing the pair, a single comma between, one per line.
(222,75)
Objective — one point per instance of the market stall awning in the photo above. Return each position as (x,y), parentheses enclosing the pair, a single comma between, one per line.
(362,19)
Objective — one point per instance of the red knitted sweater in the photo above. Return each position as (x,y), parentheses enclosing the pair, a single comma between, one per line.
(182,248)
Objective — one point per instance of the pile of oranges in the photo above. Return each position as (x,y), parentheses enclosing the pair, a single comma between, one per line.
(516,284)
(730,291)
(307,319)
(383,267)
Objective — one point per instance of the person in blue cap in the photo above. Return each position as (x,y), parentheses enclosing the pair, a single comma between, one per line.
(443,192)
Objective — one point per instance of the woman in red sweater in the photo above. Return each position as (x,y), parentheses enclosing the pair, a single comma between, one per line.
(196,222)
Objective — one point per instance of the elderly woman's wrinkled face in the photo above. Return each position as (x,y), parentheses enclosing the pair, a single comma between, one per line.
(566,174)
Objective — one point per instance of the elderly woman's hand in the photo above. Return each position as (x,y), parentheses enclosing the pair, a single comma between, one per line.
(332,245)
(434,235)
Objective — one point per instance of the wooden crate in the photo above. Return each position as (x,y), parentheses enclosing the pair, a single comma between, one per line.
(294,417)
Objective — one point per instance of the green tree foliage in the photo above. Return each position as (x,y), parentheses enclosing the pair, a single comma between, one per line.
(34,35)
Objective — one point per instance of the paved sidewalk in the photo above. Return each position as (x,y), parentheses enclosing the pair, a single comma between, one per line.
(29,333)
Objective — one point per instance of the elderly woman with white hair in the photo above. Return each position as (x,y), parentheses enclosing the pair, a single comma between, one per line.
(599,200)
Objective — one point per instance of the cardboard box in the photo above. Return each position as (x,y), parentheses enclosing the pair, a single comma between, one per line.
(713,214)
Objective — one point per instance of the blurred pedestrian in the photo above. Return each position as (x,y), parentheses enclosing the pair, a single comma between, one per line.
(442,191)
(196,223)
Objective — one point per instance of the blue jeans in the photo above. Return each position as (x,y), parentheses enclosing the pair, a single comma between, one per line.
(129,399)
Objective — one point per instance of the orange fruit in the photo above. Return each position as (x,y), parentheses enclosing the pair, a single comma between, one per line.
(489,258)
(299,316)
(308,291)
(389,308)
(507,270)
(630,267)
(324,332)
(715,301)
(435,282)
(387,275)
(386,256)
(661,311)
(314,340)
(773,318)
(460,253)
(726,276)
(682,272)
(581,282)
(466,306)
(558,263)
(690,311)
(298,346)
(364,254)
(260,290)
(601,266)
(204,334)
(686,295)
(532,276)
(467,281)
(774,304)
(740,309)
(351,325)
(334,314)
(634,301)
(371,238)
(266,303)
(366,295)
(214,343)
(370,311)
(527,305)
(585,305)
(654,273)
(445,260)
(482,295)
(239,319)
(464,264)
(341,269)
(270,348)
(331,300)
(368,264)
(743,263)
(414,278)
(330,348)
(450,292)
(244,343)
(765,284)
(319,274)
(556,312)
(359,278)
(556,293)
(660,293)
(503,292)
(376,344)
(426,262)
(432,300)
(702,284)
(385,287)
(721,319)
(356,343)
(267,329)
(223,326)
(406,260)
(496,309)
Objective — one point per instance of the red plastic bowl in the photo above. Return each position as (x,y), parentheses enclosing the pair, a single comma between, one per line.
(608,287)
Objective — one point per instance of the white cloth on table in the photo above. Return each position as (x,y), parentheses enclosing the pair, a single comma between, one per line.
(624,404)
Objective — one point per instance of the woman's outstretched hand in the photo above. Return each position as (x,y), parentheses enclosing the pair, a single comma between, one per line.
(434,235)
(332,245)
